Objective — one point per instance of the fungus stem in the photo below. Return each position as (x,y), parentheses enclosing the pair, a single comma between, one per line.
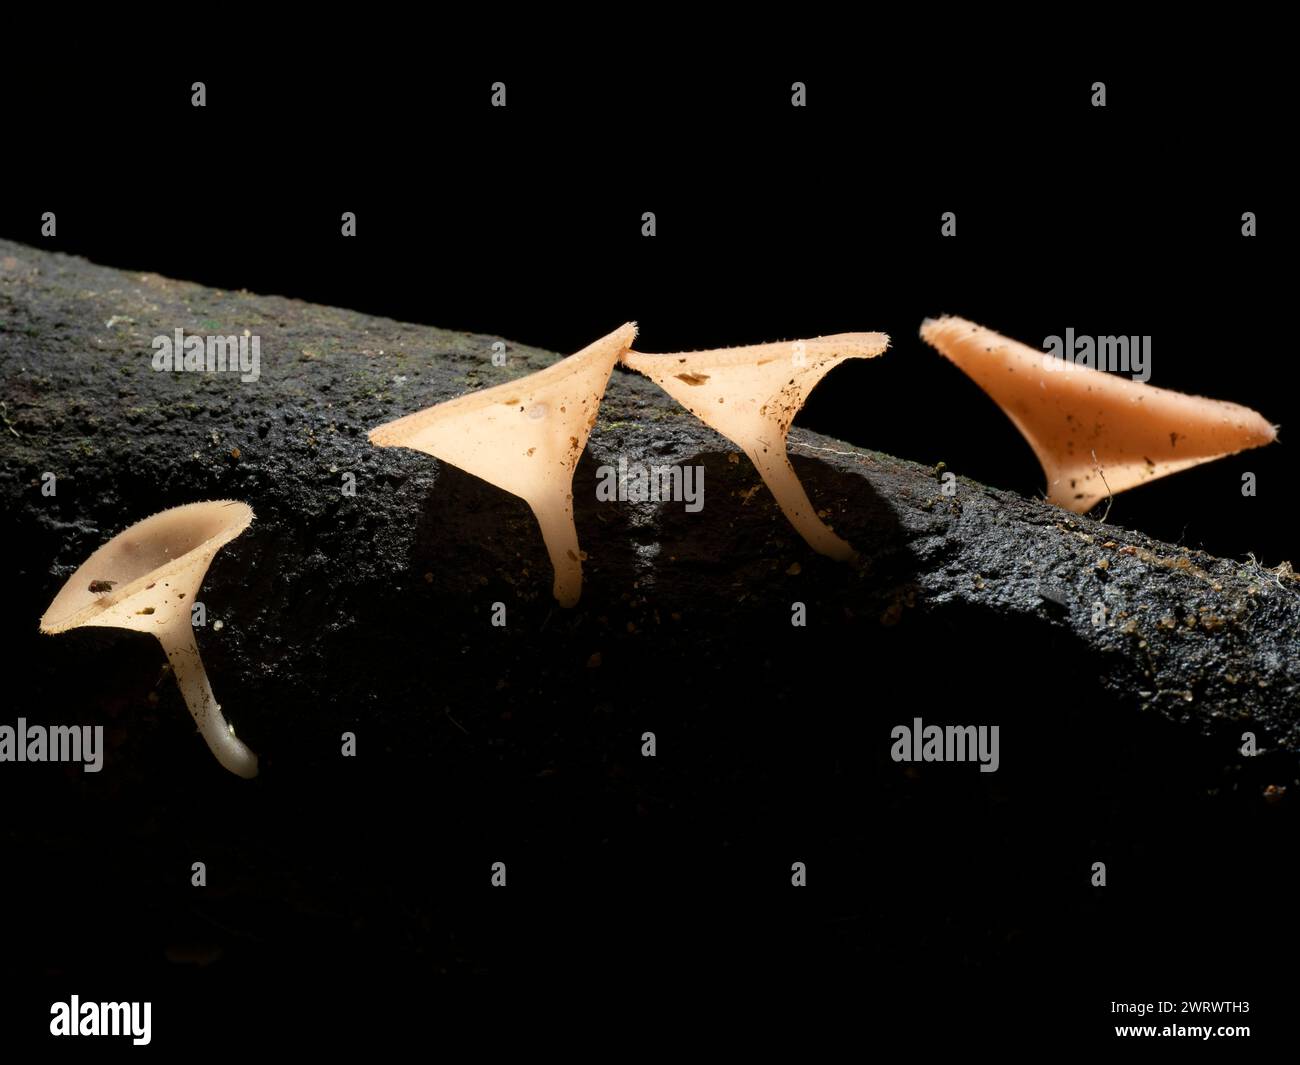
(183,654)
(561,538)
(779,476)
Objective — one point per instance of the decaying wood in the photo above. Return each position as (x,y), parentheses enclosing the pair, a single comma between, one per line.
(1197,638)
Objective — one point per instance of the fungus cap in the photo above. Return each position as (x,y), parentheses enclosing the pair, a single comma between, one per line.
(526,437)
(1069,412)
(155,565)
(751,396)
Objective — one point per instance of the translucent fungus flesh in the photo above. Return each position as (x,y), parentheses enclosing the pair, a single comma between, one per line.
(526,437)
(146,579)
(751,396)
(1094,433)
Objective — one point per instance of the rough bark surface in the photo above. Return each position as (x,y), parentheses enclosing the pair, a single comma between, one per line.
(1195,637)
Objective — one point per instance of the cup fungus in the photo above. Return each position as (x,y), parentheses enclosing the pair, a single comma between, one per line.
(750,395)
(1095,434)
(525,436)
(145,579)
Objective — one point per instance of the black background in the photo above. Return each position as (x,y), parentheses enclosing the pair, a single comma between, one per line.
(961,899)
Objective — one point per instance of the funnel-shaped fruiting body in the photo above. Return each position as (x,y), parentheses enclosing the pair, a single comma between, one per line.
(1095,434)
(525,436)
(146,578)
(751,395)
